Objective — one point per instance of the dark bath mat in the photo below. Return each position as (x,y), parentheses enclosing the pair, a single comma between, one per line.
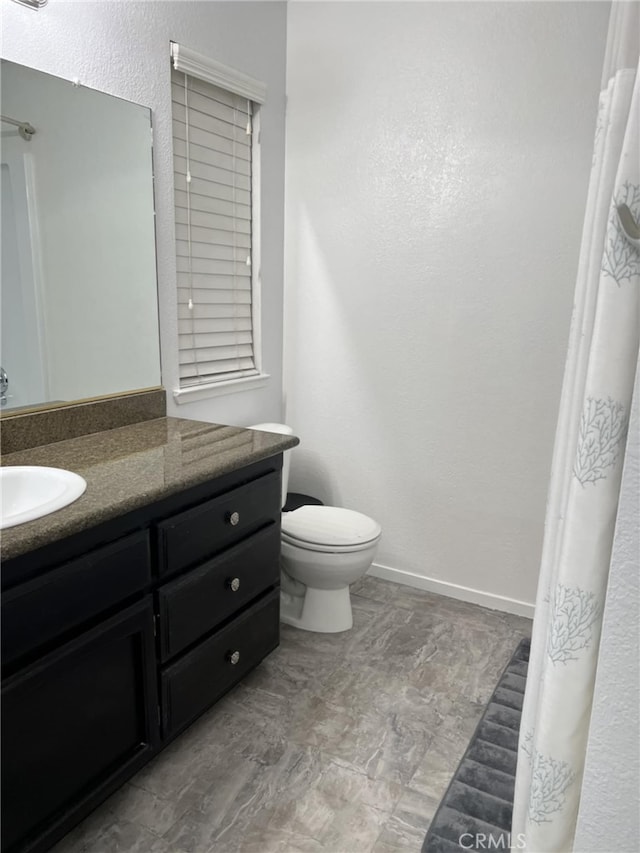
(478,804)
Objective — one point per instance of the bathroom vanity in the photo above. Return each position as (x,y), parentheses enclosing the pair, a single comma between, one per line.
(132,611)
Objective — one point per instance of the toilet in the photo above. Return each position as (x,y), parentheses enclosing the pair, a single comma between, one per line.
(323,550)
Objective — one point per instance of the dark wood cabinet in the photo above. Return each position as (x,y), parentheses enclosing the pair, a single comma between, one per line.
(77,723)
(189,537)
(119,637)
(46,608)
(197,601)
(196,680)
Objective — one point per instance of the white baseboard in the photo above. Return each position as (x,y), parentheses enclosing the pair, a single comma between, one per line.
(454,590)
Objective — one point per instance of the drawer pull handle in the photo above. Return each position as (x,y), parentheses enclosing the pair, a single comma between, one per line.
(233,518)
(233,584)
(233,657)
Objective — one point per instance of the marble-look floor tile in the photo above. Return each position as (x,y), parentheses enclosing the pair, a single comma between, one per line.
(296,665)
(408,824)
(467,664)
(358,684)
(407,740)
(451,609)
(432,776)
(185,765)
(336,743)
(374,589)
(400,644)
(109,836)
(84,836)
(274,841)
(414,600)
(136,805)
(462,720)
(229,818)
(255,724)
(333,798)
(354,829)
(340,784)
(132,837)
(307,815)
(323,724)
(381,746)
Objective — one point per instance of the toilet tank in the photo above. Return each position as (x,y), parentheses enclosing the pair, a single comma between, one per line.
(280,429)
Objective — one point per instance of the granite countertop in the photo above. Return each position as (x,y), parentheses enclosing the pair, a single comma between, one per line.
(133,466)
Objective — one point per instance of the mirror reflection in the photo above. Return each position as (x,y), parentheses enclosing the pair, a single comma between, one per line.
(78,294)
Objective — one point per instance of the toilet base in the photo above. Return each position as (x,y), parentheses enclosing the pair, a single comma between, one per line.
(325,611)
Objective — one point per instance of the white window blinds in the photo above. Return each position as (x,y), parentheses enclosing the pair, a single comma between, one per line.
(213,162)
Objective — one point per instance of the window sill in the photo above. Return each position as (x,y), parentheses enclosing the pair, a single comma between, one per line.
(218,389)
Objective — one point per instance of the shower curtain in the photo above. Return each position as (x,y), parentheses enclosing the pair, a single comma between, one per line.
(586,467)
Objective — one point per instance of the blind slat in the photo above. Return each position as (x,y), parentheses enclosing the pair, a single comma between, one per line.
(209,355)
(213,189)
(209,236)
(220,207)
(231,369)
(214,174)
(204,108)
(204,314)
(212,156)
(202,281)
(219,340)
(213,215)
(205,266)
(199,189)
(212,251)
(228,140)
(225,298)
(221,375)
(213,220)
(202,153)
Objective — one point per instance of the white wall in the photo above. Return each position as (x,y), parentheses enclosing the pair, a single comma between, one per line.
(609,816)
(123,48)
(438,159)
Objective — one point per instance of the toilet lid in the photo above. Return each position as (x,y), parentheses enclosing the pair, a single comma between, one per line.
(329,526)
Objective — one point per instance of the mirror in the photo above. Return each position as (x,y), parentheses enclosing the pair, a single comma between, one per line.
(78,294)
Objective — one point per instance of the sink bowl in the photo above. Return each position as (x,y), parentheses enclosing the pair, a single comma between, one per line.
(29,491)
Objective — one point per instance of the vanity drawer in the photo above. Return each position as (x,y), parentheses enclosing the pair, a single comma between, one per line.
(201,677)
(192,536)
(37,612)
(196,602)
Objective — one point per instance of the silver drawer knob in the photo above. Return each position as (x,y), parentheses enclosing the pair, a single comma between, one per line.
(233,657)
(233,584)
(234,518)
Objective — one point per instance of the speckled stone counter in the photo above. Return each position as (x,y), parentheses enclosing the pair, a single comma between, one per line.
(21,430)
(134,466)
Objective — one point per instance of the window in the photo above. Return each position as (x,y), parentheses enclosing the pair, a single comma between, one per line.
(216,165)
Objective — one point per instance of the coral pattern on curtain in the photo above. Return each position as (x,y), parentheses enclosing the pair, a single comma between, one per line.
(586,468)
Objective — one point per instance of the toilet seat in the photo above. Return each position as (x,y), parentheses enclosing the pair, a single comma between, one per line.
(329,529)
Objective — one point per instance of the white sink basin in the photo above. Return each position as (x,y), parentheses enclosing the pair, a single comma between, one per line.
(29,491)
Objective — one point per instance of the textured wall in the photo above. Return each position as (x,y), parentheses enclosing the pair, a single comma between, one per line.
(123,49)
(438,158)
(609,817)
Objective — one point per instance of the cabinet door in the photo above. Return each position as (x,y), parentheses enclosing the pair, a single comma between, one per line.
(75,725)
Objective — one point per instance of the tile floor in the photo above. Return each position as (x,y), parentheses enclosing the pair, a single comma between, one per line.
(339,743)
